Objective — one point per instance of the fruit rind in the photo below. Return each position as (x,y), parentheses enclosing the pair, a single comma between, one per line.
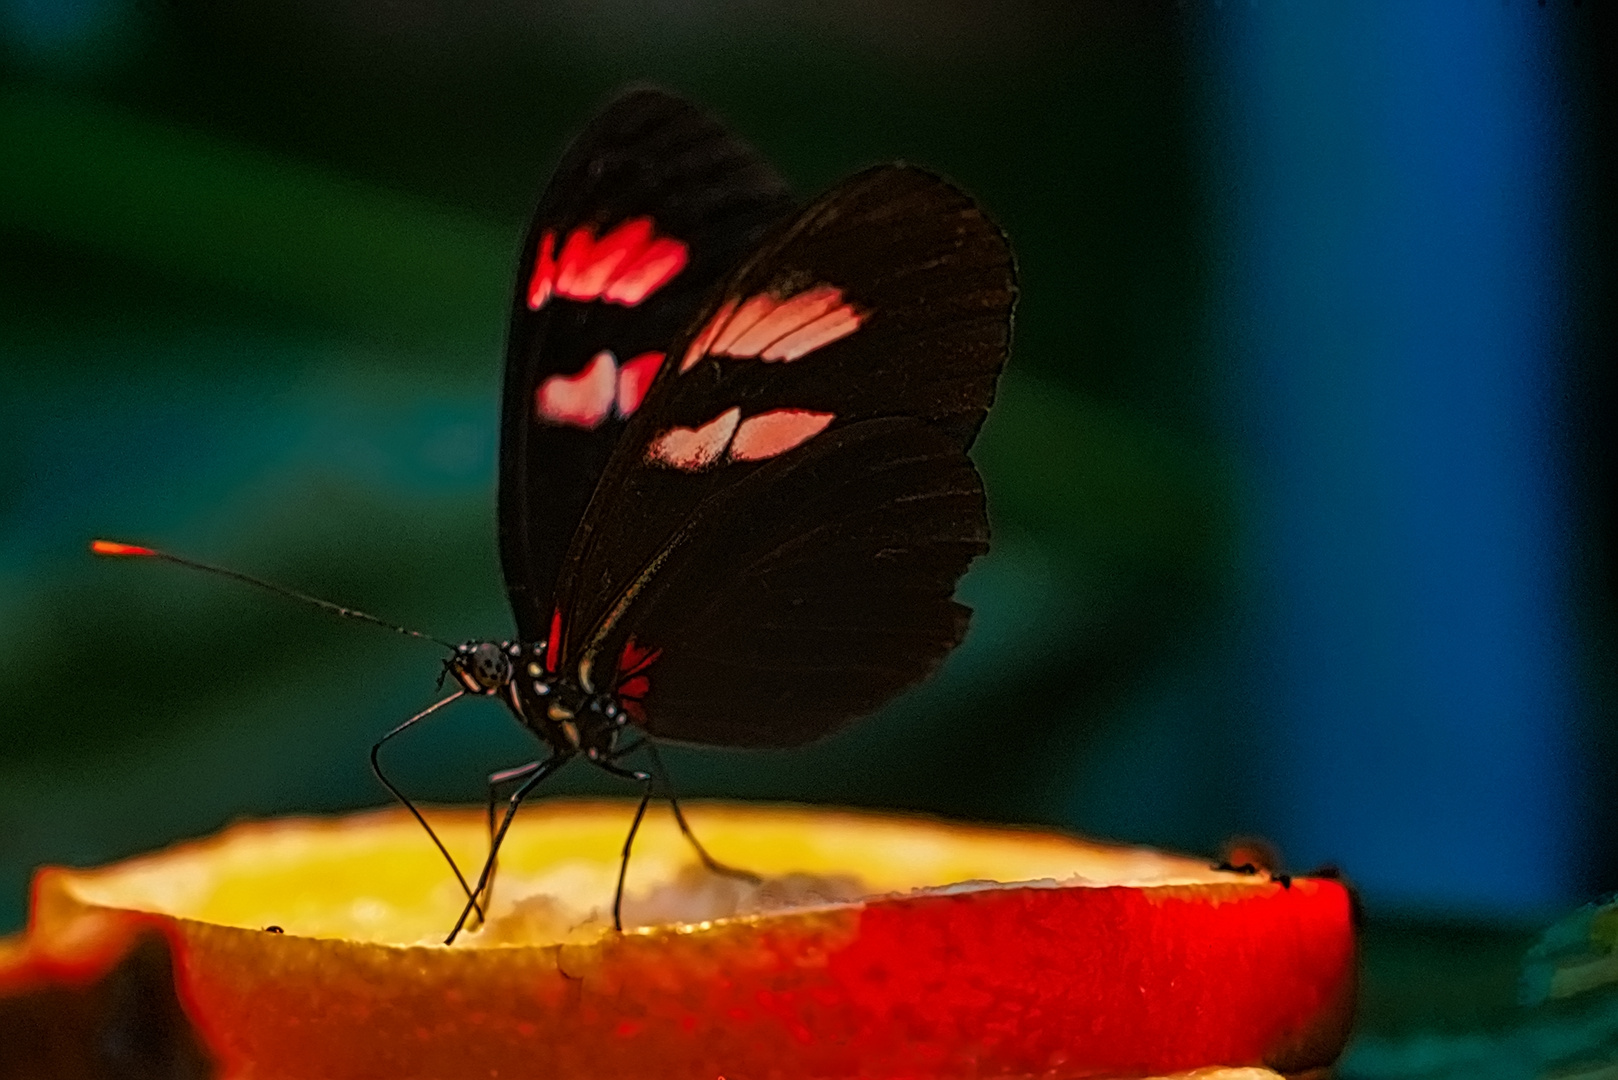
(1020,980)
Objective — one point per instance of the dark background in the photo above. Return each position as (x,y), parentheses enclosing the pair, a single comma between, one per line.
(254,262)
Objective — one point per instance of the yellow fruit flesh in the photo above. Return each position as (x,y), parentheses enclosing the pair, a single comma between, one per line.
(377,878)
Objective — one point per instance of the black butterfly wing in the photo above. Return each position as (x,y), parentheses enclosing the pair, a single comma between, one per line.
(773,548)
(649,207)
(807,594)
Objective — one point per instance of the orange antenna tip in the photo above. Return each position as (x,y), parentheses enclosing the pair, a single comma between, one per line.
(113,547)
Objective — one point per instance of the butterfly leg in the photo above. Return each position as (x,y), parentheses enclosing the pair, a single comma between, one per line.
(544,769)
(496,780)
(645,780)
(713,864)
(376,767)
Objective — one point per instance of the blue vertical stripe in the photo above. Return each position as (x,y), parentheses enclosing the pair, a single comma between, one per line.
(1389,292)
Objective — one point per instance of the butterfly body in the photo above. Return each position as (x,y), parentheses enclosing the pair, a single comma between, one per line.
(561,710)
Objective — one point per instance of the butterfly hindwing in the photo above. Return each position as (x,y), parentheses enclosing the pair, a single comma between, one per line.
(782,526)
(810,592)
(648,208)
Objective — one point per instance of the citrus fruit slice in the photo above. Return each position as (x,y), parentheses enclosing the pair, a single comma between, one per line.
(875,947)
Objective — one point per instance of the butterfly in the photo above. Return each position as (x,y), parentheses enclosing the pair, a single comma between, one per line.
(734,496)
(734,491)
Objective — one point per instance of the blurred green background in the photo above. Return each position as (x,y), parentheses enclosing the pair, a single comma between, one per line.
(254,266)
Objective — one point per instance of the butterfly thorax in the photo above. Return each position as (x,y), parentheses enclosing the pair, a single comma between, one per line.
(556,707)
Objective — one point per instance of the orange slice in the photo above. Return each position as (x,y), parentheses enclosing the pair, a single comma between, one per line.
(877,947)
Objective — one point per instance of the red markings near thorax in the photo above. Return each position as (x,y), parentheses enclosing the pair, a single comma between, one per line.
(776,329)
(587,398)
(727,435)
(625,266)
(633,682)
(553,641)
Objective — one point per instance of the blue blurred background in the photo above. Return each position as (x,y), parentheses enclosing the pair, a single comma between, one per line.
(1302,475)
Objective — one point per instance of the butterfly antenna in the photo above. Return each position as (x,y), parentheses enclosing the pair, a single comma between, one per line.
(120,550)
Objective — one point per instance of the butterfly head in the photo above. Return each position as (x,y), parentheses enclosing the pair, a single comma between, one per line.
(481,667)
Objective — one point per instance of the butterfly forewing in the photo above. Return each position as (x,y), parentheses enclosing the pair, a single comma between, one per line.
(810,592)
(890,295)
(648,208)
(783,523)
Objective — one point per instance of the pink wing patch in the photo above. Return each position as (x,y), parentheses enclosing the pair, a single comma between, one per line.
(754,439)
(694,449)
(776,329)
(625,266)
(653,269)
(832,326)
(701,343)
(586,399)
(776,432)
(581,400)
(634,378)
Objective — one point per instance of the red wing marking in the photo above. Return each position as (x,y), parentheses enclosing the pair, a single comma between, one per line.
(752,310)
(699,346)
(587,265)
(577,255)
(773,328)
(543,283)
(636,658)
(625,266)
(584,400)
(633,682)
(655,268)
(776,432)
(581,400)
(634,377)
(758,437)
(553,643)
(113,547)
(788,316)
(832,326)
(694,449)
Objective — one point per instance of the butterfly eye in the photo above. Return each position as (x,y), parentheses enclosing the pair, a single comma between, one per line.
(483,668)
